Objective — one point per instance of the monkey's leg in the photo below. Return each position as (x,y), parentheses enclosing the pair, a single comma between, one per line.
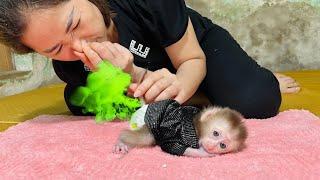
(129,139)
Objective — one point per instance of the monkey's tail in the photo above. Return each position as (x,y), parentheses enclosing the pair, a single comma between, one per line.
(140,138)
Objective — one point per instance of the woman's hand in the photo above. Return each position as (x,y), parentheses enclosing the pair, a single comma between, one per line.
(160,85)
(95,52)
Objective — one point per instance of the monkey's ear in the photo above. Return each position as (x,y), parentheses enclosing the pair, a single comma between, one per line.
(238,114)
(208,112)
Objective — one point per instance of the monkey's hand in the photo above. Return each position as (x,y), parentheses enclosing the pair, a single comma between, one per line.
(120,148)
(192,152)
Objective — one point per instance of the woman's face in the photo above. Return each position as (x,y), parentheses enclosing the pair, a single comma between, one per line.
(57,32)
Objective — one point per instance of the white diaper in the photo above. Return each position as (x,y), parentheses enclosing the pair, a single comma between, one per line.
(137,119)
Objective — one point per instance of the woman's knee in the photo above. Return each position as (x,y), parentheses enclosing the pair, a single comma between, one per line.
(259,105)
(260,98)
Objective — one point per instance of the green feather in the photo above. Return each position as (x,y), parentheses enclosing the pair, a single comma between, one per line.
(105,94)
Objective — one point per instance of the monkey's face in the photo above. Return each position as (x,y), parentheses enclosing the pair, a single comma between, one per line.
(217,137)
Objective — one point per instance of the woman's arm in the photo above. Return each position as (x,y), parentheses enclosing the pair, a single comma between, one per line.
(186,56)
(189,60)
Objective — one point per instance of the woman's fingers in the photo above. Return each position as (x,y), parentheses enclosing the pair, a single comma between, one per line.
(126,58)
(168,93)
(146,84)
(157,88)
(84,59)
(116,54)
(92,56)
(111,48)
(131,89)
(160,85)
(124,51)
(102,50)
(180,97)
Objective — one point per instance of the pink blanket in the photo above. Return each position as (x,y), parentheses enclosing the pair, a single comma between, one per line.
(61,147)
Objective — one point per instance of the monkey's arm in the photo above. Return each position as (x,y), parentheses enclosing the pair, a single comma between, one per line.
(174,148)
(192,152)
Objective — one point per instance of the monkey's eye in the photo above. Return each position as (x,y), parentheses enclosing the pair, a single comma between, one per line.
(215,133)
(223,146)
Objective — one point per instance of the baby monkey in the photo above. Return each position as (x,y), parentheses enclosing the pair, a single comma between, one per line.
(184,130)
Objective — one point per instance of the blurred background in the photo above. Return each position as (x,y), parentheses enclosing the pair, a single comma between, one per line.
(282,35)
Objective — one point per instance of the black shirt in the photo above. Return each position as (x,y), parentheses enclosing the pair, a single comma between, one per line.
(145,27)
(172,126)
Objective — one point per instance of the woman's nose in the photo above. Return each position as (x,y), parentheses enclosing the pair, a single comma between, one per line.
(76,44)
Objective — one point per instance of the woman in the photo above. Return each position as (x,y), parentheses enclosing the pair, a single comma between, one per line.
(182,51)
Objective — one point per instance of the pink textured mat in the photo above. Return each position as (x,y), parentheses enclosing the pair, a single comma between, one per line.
(61,147)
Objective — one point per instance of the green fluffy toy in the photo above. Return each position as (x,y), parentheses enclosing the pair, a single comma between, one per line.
(105,94)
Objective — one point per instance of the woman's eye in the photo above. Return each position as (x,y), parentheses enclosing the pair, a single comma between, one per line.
(215,133)
(59,50)
(78,23)
(223,146)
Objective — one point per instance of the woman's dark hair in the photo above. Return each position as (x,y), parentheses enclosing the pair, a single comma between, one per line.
(13,19)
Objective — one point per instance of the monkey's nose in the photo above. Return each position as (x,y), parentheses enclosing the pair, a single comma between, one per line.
(210,148)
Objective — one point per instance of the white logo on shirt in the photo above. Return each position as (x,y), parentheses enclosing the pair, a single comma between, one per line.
(138,51)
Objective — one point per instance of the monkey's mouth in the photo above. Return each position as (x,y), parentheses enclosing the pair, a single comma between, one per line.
(206,149)
(209,152)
